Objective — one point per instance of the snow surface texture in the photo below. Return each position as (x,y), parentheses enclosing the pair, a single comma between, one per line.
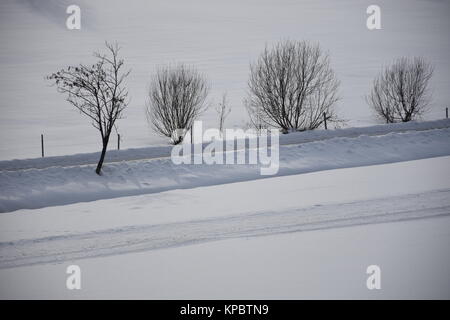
(326,263)
(35,188)
(111,225)
(164,151)
(149,237)
(220,37)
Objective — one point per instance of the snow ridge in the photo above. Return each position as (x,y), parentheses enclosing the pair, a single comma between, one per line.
(37,188)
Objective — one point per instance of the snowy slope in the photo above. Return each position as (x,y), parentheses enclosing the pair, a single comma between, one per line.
(323,264)
(165,150)
(342,199)
(35,188)
(282,193)
(327,263)
(220,37)
(133,238)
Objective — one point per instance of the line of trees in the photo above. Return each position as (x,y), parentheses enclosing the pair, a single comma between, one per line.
(291,87)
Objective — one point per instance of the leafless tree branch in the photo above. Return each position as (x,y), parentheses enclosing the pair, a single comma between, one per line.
(291,86)
(223,111)
(176,99)
(97,91)
(400,91)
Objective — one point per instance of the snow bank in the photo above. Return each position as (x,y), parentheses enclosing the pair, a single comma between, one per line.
(35,188)
(319,200)
(164,150)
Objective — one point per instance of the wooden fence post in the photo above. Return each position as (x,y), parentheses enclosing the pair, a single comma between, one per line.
(42,145)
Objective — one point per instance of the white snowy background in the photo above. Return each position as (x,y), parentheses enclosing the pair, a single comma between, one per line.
(221,38)
(341,201)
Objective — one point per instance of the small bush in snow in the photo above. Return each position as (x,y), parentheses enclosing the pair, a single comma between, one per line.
(176,99)
(400,91)
(291,87)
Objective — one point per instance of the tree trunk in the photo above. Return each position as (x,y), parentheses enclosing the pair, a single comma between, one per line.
(102,158)
(180,140)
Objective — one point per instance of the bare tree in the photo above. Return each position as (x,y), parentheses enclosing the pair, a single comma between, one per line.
(291,87)
(223,111)
(400,91)
(97,91)
(255,115)
(176,100)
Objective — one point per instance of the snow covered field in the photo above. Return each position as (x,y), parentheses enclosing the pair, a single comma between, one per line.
(58,185)
(328,262)
(164,151)
(340,201)
(220,37)
(337,205)
(324,264)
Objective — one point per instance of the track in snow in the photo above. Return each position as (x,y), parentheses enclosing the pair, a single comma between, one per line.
(149,237)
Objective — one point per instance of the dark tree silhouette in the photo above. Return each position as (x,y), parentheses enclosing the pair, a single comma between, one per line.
(291,87)
(97,91)
(400,91)
(176,99)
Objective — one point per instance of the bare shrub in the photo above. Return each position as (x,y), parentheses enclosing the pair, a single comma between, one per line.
(291,87)
(176,99)
(400,91)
